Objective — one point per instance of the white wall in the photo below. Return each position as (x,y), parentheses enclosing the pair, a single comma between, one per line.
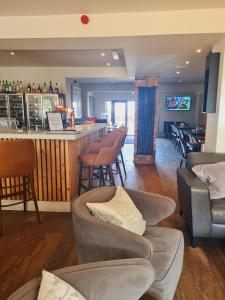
(192,117)
(104,91)
(101,97)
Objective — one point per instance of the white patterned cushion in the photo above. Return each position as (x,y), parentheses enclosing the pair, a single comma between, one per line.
(54,288)
(120,211)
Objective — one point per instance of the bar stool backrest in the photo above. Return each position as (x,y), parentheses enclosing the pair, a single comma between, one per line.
(17,158)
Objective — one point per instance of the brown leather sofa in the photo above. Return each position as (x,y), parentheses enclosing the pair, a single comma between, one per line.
(163,247)
(204,217)
(112,280)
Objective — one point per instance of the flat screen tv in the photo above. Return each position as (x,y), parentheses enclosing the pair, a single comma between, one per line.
(178,103)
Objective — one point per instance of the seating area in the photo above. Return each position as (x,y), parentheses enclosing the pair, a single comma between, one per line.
(185,139)
(112,150)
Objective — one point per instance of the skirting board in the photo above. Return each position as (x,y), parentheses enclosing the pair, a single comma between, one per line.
(42,206)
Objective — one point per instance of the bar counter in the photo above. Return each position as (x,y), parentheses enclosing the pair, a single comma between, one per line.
(57,164)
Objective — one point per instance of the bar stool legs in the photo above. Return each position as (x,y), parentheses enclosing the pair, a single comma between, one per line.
(31,184)
(119,171)
(121,154)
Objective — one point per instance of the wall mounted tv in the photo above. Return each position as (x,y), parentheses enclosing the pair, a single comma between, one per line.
(177,103)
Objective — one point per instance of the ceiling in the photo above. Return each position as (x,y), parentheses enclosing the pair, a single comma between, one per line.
(146,55)
(27,7)
(62,58)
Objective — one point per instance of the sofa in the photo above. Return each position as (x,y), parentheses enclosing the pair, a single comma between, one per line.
(205,218)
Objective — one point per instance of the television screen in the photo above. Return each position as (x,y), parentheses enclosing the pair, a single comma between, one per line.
(178,102)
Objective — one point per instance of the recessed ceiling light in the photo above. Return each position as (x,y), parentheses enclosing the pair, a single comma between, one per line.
(198,50)
(179,80)
(178,72)
(115,55)
(12,53)
(103,54)
(187,62)
(108,64)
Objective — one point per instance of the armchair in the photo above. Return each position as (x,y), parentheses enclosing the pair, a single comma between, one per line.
(111,280)
(163,247)
(205,217)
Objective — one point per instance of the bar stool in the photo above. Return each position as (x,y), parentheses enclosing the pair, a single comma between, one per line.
(100,156)
(17,161)
(124,130)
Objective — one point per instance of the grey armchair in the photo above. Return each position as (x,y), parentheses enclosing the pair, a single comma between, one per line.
(205,217)
(111,280)
(163,247)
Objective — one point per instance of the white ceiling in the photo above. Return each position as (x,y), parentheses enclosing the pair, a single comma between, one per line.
(158,55)
(43,7)
(62,58)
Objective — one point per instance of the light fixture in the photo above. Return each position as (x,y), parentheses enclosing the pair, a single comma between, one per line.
(179,80)
(108,64)
(178,72)
(187,62)
(12,53)
(103,54)
(198,50)
(115,55)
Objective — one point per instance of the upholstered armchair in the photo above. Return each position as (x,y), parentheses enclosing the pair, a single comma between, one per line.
(163,247)
(204,217)
(112,280)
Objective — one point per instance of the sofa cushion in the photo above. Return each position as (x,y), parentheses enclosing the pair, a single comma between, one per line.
(214,176)
(120,211)
(218,211)
(167,258)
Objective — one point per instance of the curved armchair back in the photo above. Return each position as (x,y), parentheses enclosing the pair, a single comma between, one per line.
(97,240)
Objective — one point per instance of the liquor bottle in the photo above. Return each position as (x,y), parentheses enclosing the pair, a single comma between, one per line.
(29,88)
(34,90)
(17,86)
(45,88)
(21,87)
(56,90)
(3,86)
(14,87)
(10,87)
(50,89)
(0,87)
(39,91)
(6,86)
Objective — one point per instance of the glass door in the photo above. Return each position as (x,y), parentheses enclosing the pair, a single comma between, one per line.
(34,111)
(16,108)
(3,106)
(119,113)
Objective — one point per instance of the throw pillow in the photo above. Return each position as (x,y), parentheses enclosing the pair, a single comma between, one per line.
(214,176)
(120,211)
(54,288)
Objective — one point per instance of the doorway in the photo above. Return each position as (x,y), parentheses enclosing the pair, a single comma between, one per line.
(121,113)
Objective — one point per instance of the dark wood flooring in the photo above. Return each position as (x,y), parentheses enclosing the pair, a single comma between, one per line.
(27,248)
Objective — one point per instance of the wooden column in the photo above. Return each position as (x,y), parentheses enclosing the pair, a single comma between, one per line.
(147,117)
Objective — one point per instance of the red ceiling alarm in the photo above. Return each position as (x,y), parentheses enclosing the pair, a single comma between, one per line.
(84,19)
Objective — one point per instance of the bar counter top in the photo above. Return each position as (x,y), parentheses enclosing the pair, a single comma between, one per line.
(81,131)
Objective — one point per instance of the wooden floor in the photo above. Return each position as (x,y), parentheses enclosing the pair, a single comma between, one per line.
(27,248)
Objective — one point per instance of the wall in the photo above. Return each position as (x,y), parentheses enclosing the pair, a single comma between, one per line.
(104,91)
(101,97)
(192,117)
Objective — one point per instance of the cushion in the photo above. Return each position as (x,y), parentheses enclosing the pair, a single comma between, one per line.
(214,176)
(167,258)
(120,211)
(54,288)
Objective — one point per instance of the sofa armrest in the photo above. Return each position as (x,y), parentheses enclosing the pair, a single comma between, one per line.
(194,201)
(153,207)
(109,280)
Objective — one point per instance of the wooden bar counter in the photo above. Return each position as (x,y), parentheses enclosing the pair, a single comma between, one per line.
(57,164)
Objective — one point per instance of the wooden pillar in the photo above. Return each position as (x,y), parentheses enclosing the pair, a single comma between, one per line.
(145,119)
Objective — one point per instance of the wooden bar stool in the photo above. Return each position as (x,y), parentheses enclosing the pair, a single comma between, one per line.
(123,130)
(105,154)
(17,161)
